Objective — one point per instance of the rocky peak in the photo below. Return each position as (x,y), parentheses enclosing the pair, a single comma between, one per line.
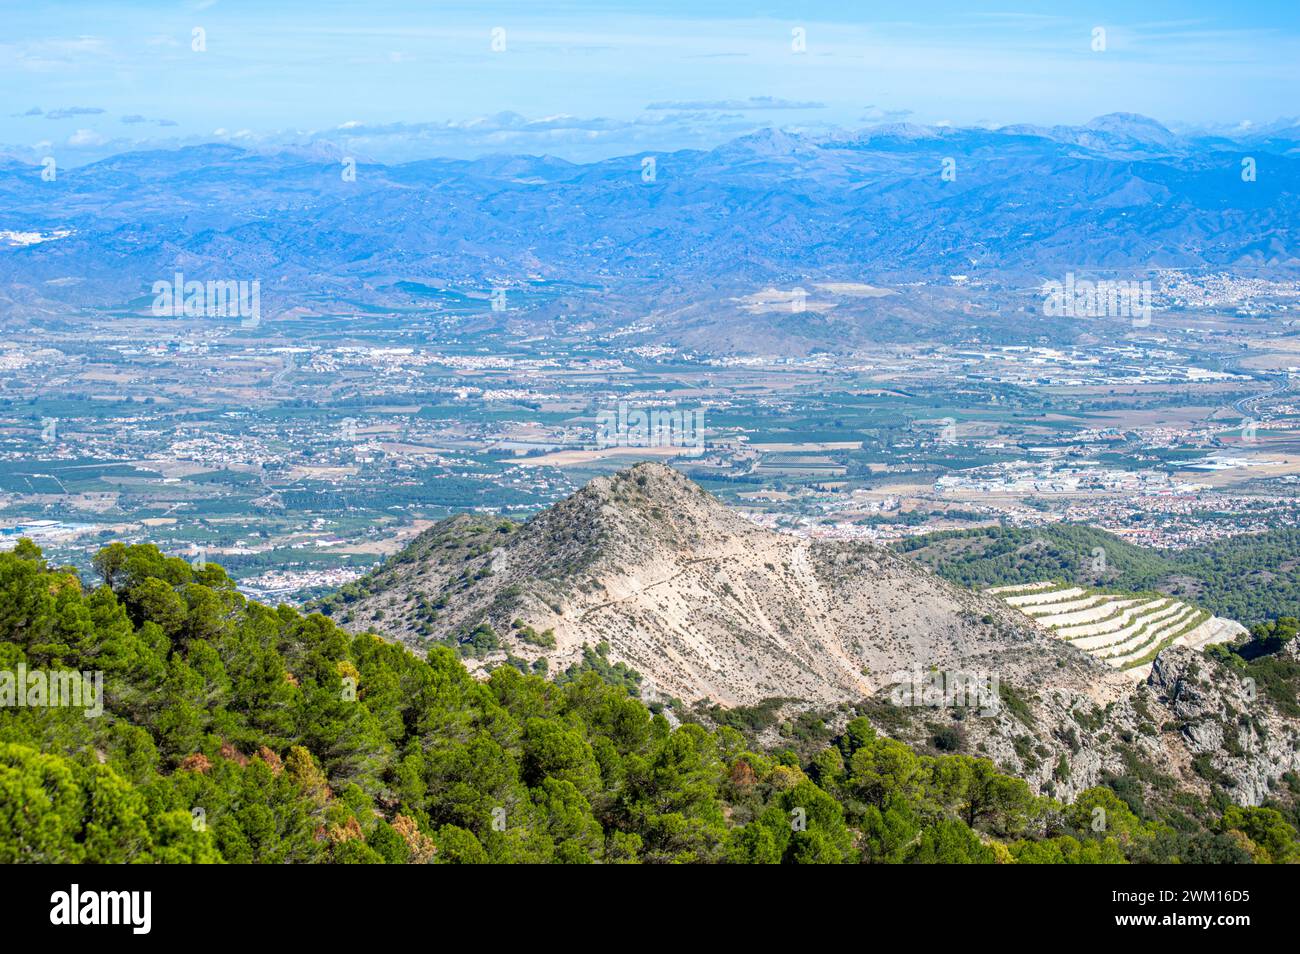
(705,604)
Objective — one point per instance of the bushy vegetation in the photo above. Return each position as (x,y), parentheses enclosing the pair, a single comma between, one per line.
(233,731)
(1259,656)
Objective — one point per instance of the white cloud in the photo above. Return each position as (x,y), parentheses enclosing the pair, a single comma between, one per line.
(86,137)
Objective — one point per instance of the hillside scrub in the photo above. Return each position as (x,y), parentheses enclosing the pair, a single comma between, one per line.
(233,731)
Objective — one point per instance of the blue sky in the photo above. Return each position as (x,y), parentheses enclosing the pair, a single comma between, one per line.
(399,79)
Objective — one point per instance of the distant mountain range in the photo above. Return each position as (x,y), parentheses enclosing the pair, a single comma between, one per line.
(888,203)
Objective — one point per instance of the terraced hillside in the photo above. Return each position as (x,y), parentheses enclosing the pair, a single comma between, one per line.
(1251,578)
(1125,631)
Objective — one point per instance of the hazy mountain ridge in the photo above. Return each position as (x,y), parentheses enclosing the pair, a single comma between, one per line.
(1119,192)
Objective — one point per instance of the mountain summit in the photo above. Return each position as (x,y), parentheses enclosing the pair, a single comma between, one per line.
(646,569)
(697,598)
(1133,129)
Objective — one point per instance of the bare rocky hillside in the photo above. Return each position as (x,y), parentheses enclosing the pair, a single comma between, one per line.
(699,600)
(709,607)
(1190,723)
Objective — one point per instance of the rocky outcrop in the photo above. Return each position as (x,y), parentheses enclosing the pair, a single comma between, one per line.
(1226,724)
(1192,724)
